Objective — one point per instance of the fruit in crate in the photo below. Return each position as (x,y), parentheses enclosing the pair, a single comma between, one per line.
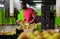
(51,35)
(46,34)
(39,37)
(23,35)
(2,33)
(13,32)
(8,32)
(35,35)
(21,22)
(37,32)
(30,35)
(56,35)
(18,27)
(21,27)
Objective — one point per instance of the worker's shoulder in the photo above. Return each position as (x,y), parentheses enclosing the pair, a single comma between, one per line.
(30,9)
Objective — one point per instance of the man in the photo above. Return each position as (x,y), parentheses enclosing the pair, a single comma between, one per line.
(29,13)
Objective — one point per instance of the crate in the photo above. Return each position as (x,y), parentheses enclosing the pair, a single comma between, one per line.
(8,36)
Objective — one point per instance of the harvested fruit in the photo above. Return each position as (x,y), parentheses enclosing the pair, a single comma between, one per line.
(23,35)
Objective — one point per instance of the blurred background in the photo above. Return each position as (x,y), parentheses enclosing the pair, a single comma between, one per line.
(10,10)
(47,16)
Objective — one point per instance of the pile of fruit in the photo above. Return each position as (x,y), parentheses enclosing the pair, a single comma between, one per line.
(25,26)
(8,33)
(30,33)
(22,27)
(21,22)
(39,35)
(25,23)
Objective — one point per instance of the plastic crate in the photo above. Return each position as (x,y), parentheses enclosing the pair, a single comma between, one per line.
(57,22)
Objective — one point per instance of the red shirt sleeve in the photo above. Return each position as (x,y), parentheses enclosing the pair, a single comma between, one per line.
(32,12)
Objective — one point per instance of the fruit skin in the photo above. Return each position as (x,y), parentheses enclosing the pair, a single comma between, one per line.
(51,35)
(23,35)
(30,35)
(37,33)
(56,35)
(39,36)
(46,34)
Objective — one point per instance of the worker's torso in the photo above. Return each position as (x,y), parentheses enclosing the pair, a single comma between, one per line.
(27,14)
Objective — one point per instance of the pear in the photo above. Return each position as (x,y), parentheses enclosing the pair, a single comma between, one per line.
(46,34)
(37,32)
(23,35)
(50,37)
(56,35)
(30,35)
(39,36)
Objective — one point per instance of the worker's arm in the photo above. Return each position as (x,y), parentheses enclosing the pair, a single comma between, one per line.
(32,20)
(33,15)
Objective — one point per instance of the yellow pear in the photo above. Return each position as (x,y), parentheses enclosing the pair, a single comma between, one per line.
(30,35)
(37,32)
(56,35)
(23,35)
(39,37)
(46,34)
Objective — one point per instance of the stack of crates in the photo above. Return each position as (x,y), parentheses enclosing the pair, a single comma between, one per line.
(20,15)
(10,21)
(47,23)
(43,21)
(2,16)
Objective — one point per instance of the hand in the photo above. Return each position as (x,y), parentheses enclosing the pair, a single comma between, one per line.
(27,24)
(30,22)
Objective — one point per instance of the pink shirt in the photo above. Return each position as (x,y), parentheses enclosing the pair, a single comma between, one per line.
(28,14)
